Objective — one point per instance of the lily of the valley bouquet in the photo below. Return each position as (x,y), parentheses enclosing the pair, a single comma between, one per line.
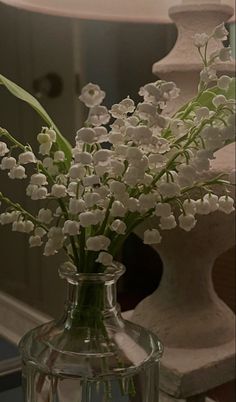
(127,164)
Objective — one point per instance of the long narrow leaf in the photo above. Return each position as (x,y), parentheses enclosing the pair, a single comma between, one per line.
(20,93)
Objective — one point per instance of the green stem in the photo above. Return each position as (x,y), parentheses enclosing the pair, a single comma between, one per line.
(104,223)
(19,208)
(65,213)
(72,240)
(6,134)
(82,255)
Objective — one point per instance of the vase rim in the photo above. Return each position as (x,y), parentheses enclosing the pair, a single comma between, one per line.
(111,273)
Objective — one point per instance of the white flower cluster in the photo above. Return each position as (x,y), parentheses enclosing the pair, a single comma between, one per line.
(142,165)
(222,54)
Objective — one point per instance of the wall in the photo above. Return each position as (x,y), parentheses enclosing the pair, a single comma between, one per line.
(116,56)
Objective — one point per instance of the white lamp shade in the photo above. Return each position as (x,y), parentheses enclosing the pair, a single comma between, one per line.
(112,10)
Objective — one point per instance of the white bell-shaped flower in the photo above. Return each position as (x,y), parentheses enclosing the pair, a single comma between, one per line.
(118,226)
(105,259)
(50,248)
(77,171)
(117,187)
(189,207)
(39,231)
(72,228)
(8,163)
(58,191)
(168,222)
(118,209)
(86,135)
(9,217)
(200,40)
(219,100)
(45,215)
(38,179)
(98,115)
(23,226)
(59,156)
(133,204)
(98,243)
(26,157)
(84,158)
(17,172)
(35,241)
(213,200)
(224,82)
(52,134)
(146,202)
(87,219)
(187,222)
(163,209)
(169,189)
(134,153)
(3,148)
(45,148)
(225,54)
(43,138)
(91,199)
(226,204)
(39,193)
(152,236)
(76,206)
(220,32)
(102,155)
(92,95)
(90,181)
(203,207)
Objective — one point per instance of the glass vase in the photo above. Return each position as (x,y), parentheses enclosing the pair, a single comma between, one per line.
(91,354)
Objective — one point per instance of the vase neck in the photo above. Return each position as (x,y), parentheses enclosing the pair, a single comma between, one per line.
(102,296)
(91,297)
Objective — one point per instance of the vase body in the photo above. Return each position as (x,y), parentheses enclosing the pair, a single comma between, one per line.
(91,354)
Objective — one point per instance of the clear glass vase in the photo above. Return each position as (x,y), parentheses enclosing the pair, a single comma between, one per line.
(91,354)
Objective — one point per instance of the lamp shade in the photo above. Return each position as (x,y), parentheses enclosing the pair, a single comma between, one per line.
(111,10)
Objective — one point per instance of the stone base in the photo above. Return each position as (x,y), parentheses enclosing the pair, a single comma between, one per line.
(189,372)
(167,398)
(186,372)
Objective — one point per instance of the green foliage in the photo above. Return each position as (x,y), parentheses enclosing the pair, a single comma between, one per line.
(207,96)
(23,95)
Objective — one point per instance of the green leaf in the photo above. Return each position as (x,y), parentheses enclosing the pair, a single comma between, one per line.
(23,95)
(206,98)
